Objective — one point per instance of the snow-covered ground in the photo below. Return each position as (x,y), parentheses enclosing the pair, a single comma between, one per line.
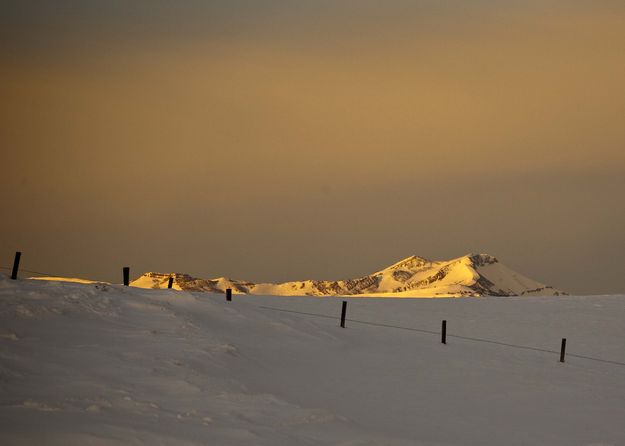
(100,364)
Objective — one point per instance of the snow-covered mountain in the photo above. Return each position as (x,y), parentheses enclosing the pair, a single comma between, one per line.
(470,275)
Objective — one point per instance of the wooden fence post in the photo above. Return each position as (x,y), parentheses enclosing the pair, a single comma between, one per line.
(444,332)
(126,275)
(343,313)
(16,265)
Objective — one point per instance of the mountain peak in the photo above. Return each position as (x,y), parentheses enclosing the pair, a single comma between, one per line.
(482,259)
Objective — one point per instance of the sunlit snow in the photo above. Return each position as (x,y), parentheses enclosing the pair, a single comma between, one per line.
(105,364)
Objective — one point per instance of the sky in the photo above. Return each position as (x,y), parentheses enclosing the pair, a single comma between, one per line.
(279,140)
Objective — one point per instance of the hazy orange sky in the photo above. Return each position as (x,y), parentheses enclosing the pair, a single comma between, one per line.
(276,140)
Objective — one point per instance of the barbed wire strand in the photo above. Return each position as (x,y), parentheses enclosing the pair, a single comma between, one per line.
(466,338)
(30,271)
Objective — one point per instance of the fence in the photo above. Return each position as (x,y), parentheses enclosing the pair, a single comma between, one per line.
(16,268)
(343,319)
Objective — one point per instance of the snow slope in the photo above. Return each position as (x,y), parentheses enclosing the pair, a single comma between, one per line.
(102,364)
(470,275)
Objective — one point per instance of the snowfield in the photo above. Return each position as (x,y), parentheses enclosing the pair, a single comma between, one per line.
(101,364)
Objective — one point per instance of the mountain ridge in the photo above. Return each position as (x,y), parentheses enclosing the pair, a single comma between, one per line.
(471,275)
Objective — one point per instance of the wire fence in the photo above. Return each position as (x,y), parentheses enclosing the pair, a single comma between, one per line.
(438,333)
(397,327)
(30,271)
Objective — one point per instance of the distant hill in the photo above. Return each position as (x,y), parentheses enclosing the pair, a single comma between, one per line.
(470,275)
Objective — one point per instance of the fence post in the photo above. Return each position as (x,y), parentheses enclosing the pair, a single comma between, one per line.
(16,265)
(562,349)
(343,313)
(171,282)
(444,332)
(126,275)
(228,294)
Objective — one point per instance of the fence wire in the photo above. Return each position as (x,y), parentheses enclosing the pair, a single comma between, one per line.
(438,333)
(29,271)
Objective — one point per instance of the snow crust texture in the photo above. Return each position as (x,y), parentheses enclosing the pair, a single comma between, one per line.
(100,364)
(470,275)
